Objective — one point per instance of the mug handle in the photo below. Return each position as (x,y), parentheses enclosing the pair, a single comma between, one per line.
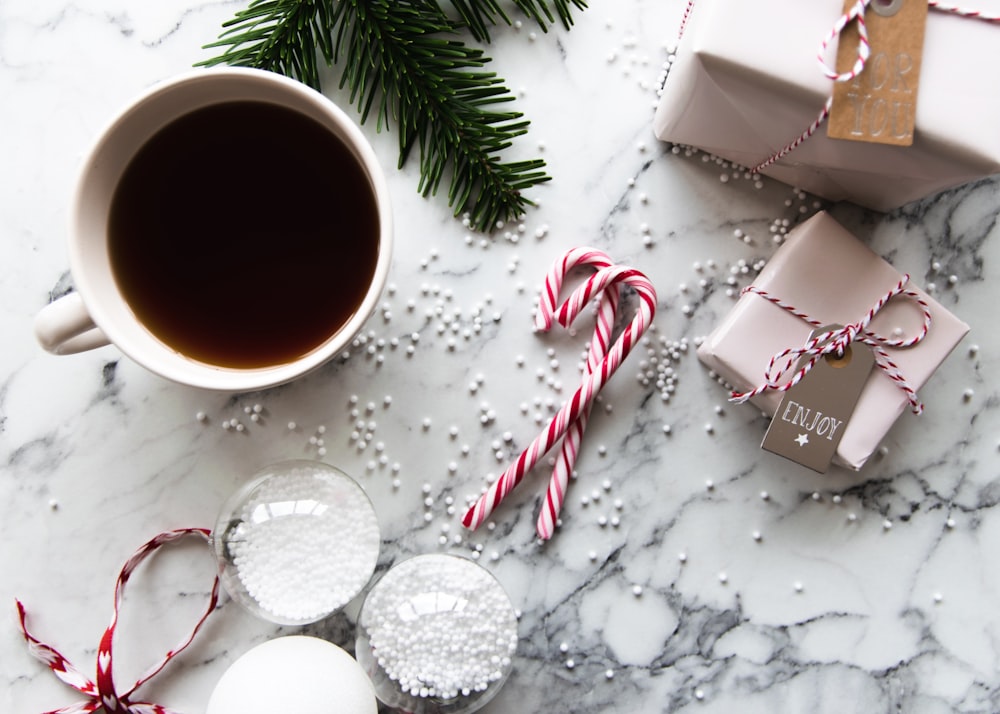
(64,327)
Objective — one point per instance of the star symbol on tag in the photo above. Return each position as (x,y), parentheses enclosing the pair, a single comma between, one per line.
(802,439)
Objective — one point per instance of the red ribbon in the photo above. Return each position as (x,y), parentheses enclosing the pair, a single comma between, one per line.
(855,14)
(102,694)
(836,341)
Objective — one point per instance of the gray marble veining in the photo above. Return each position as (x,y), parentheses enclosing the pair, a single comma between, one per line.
(730,581)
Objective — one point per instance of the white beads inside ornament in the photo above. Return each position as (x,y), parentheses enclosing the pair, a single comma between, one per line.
(298,542)
(436,635)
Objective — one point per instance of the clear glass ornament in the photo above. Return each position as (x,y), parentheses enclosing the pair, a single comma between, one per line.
(297,543)
(436,635)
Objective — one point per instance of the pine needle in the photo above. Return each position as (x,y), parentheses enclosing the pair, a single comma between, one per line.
(404,62)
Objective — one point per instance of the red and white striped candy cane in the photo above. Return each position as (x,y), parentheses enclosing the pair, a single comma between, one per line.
(607,308)
(554,279)
(102,694)
(588,390)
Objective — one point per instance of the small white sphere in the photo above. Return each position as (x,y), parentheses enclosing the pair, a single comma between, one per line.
(305,675)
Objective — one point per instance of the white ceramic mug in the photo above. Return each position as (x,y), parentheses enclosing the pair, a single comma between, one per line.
(97,314)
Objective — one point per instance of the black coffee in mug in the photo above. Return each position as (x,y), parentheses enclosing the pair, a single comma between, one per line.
(244,234)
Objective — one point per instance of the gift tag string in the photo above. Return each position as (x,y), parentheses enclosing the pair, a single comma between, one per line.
(856,13)
(835,343)
(101,693)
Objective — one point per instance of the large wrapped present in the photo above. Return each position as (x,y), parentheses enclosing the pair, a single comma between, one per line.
(746,83)
(825,274)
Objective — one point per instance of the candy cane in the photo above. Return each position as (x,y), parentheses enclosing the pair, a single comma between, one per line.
(588,390)
(557,274)
(608,307)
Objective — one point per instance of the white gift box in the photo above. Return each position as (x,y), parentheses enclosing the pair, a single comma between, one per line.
(746,82)
(824,271)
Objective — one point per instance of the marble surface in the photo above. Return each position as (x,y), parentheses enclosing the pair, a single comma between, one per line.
(864,592)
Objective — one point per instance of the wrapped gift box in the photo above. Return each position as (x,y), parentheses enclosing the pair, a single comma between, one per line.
(824,271)
(746,82)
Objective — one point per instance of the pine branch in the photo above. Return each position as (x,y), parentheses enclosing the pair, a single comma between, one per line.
(403,62)
(477,15)
(281,36)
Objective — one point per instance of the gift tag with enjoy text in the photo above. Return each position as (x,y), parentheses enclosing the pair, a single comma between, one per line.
(811,419)
(880,104)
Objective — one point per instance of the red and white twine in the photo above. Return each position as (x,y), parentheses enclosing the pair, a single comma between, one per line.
(964,12)
(102,693)
(856,13)
(836,342)
(599,370)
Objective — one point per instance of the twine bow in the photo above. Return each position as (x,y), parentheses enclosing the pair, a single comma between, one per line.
(102,694)
(836,342)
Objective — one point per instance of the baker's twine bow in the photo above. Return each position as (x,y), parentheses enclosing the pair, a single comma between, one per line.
(836,342)
(102,693)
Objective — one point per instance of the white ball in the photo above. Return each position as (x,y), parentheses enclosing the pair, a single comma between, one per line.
(305,675)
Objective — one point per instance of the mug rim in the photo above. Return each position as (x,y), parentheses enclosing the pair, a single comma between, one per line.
(159,357)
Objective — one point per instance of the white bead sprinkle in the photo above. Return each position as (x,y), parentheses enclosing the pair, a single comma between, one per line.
(425,643)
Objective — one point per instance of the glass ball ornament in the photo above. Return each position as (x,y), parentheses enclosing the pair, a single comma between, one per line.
(298,542)
(436,635)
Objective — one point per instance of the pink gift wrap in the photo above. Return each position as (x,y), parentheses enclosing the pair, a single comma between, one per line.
(824,271)
(746,82)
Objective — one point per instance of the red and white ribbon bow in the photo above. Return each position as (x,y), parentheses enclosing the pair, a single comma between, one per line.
(601,364)
(102,693)
(836,342)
